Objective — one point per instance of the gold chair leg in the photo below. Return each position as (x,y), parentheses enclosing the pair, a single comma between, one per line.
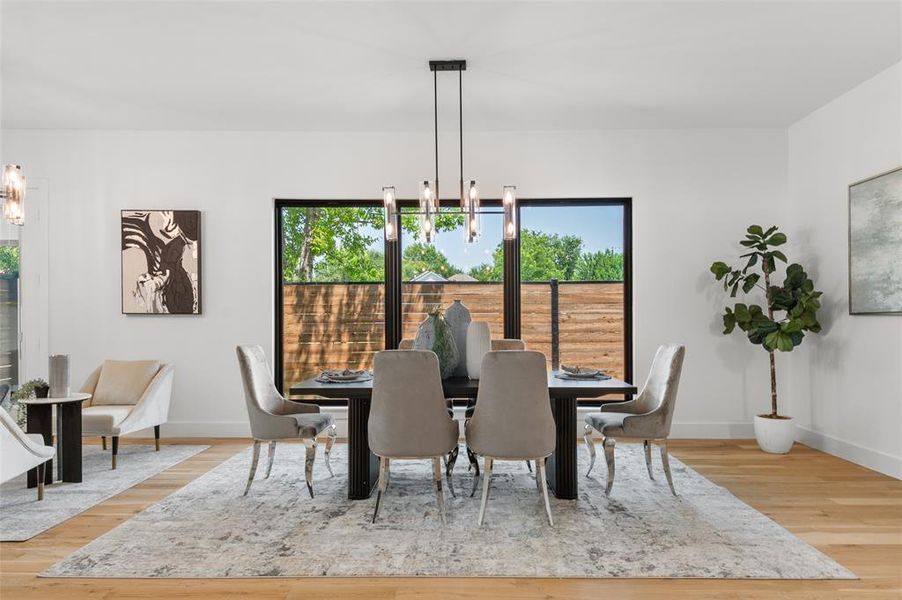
(115,450)
(156,437)
(103,442)
(41,481)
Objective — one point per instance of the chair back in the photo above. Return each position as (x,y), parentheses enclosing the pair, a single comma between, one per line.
(513,410)
(508,344)
(408,415)
(260,393)
(17,452)
(660,390)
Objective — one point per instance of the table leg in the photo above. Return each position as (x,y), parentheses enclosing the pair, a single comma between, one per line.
(561,471)
(363,465)
(40,420)
(69,439)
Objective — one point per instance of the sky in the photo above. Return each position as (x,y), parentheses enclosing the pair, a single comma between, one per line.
(600,228)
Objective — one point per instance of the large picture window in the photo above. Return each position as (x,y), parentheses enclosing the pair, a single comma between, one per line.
(343,293)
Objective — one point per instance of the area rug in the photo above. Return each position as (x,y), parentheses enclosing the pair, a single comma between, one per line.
(22,517)
(208,529)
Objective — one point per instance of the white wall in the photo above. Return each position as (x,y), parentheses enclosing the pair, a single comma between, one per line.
(694,193)
(846,383)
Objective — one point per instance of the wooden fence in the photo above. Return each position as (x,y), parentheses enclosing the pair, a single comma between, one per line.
(340,325)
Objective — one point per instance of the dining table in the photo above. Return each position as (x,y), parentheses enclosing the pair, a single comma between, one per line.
(561,466)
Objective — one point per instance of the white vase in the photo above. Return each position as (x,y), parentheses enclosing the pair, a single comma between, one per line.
(458,317)
(775,435)
(479,342)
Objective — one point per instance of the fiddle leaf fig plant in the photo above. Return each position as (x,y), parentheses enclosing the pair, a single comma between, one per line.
(789,310)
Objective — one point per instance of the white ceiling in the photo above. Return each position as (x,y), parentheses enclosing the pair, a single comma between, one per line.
(363,66)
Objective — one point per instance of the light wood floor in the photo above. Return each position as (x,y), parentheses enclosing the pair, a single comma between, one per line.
(852,514)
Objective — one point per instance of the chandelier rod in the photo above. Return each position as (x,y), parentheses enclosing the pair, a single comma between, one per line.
(438,198)
(460,107)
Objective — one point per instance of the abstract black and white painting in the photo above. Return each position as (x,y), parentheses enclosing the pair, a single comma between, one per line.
(875,244)
(161,262)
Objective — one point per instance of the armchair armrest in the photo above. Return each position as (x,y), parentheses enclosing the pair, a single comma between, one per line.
(90,385)
(153,406)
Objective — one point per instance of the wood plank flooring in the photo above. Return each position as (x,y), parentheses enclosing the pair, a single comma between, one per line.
(850,513)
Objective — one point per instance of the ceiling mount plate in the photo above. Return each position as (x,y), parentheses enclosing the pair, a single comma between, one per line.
(448,65)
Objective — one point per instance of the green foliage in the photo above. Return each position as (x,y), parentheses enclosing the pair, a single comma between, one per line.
(606,265)
(796,297)
(24,392)
(9,260)
(420,257)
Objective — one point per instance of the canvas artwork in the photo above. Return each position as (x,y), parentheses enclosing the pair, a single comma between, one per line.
(875,244)
(161,262)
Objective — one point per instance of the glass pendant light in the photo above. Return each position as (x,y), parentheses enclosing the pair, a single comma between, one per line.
(391,214)
(13,193)
(509,204)
(428,208)
(472,211)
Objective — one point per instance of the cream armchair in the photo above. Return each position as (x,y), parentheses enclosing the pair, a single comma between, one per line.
(20,451)
(127,396)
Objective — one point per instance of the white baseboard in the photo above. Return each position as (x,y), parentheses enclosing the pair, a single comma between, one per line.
(860,455)
(242,429)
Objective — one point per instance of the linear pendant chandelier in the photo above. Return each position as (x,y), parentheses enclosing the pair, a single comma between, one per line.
(430,199)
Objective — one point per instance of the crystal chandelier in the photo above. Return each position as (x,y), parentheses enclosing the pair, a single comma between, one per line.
(12,191)
(429,197)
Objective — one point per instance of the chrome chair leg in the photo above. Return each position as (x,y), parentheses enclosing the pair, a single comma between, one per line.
(474,462)
(254,460)
(383,483)
(529,466)
(540,475)
(608,445)
(41,481)
(486,484)
(647,445)
(270,456)
(587,435)
(449,469)
(665,458)
(333,433)
(437,477)
(308,464)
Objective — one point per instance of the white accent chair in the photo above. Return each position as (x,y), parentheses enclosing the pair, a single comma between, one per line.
(20,451)
(127,396)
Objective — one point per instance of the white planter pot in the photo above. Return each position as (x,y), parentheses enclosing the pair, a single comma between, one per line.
(775,435)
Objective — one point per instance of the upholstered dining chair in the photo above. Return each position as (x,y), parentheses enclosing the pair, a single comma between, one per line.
(20,451)
(126,396)
(274,418)
(647,417)
(513,419)
(408,417)
(451,459)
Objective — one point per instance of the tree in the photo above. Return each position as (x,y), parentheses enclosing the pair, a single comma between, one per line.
(419,258)
(357,266)
(340,235)
(9,260)
(797,298)
(606,265)
(543,256)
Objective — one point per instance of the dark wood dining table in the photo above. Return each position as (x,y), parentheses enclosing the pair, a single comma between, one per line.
(363,465)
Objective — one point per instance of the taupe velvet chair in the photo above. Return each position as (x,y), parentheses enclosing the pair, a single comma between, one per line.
(408,418)
(274,418)
(513,419)
(647,417)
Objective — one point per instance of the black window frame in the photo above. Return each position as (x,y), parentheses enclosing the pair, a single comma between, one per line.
(511,279)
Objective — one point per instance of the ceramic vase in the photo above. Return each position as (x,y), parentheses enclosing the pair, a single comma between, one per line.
(458,317)
(59,375)
(479,342)
(435,334)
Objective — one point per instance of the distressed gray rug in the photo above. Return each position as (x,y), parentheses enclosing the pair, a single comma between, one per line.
(207,529)
(22,517)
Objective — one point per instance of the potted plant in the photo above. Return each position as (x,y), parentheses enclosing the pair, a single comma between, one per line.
(29,389)
(790,310)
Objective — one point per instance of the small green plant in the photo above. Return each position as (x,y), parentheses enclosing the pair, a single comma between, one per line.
(24,392)
(796,299)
